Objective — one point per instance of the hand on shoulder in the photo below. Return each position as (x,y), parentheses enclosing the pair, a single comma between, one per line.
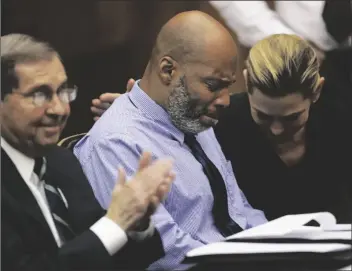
(105,100)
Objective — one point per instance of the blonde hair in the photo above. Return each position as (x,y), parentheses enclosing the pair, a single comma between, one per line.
(282,64)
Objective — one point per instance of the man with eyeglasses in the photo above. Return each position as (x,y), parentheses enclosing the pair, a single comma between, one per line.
(50,217)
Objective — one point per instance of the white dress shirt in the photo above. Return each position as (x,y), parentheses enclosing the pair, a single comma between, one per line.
(254,20)
(109,233)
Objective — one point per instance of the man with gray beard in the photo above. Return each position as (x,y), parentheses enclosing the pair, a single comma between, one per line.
(171,112)
(183,110)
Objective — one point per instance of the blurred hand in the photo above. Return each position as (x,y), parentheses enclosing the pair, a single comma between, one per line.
(132,203)
(100,105)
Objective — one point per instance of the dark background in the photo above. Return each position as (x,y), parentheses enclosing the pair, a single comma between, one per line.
(102,43)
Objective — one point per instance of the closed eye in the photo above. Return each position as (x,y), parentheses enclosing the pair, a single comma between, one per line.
(263,116)
(215,85)
(292,117)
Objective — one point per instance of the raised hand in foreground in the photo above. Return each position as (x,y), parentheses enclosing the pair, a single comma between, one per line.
(134,201)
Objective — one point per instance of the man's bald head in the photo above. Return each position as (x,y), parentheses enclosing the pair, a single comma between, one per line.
(188,36)
(191,69)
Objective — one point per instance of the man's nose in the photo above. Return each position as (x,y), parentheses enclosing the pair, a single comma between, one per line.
(57,107)
(276,128)
(223,100)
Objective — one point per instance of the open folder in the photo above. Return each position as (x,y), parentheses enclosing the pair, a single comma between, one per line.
(286,239)
(293,228)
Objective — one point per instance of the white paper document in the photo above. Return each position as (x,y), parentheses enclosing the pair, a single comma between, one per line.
(270,237)
(224,248)
(292,226)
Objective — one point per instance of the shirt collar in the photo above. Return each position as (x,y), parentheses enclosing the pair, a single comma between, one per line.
(23,163)
(152,110)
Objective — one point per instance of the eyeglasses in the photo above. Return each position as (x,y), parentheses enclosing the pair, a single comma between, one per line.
(44,95)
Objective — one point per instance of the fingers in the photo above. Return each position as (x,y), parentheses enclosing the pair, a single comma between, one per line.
(109,97)
(105,100)
(156,199)
(100,104)
(121,176)
(162,191)
(153,205)
(149,179)
(145,160)
(121,181)
(156,173)
(130,84)
(160,168)
(160,194)
(171,177)
(97,111)
(96,102)
(165,186)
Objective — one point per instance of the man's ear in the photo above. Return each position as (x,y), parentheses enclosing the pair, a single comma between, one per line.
(167,69)
(317,92)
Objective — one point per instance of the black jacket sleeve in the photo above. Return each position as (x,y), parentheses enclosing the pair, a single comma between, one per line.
(85,252)
(25,247)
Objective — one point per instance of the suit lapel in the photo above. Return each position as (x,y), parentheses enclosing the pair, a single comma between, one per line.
(18,193)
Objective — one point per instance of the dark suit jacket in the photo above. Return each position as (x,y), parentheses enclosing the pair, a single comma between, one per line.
(26,240)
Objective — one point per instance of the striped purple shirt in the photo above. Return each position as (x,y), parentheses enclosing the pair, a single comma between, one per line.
(135,123)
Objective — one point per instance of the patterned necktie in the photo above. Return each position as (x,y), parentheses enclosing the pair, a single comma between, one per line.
(222,219)
(56,202)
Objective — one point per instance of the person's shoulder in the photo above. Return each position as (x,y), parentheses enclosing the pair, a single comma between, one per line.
(119,136)
(62,162)
(60,157)
(119,121)
(121,113)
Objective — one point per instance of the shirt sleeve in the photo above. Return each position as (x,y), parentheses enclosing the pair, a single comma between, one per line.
(176,242)
(110,234)
(251,20)
(101,170)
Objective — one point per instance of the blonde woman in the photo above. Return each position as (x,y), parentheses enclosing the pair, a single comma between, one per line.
(289,154)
